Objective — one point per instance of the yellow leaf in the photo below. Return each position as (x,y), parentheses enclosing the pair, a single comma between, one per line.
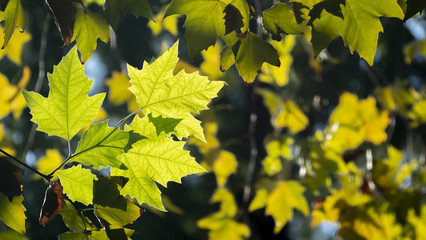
(211,65)
(224,165)
(279,75)
(284,114)
(7,93)
(347,112)
(272,165)
(292,117)
(375,122)
(13,50)
(12,213)
(418,222)
(224,228)
(344,138)
(286,196)
(259,200)
(228,206)
(118,86)
(385,97)
(49,162)
(158,24)
(377,226)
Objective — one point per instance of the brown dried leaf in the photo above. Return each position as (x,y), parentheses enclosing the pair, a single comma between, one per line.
(53,202)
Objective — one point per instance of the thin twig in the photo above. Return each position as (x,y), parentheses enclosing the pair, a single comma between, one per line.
(113,42)
(26,165)
(40,79)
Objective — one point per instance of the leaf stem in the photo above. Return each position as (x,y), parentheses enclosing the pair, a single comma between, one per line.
(47,177)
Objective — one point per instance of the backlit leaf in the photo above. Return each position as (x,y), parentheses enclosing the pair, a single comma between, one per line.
(77,183)
(161,160)
(116,217)
(211,64)
(160,92)
(100,145)
(359,27)
(223,166)
(280,19)
(204,22)
(14,48)
(12,213)
(88,27)
(68,107)
(282,200)
(252,53)
(14,17)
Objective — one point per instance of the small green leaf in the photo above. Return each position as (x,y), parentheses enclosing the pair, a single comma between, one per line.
(14,16)
(77,183)
(280,19)
(204,23)
(68,107)
(100,145)
(88,27)
(160,159)
(159,92)
(12,213)
(252,53)
(166,125)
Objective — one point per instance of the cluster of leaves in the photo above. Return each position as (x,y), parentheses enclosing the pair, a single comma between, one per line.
(114,171)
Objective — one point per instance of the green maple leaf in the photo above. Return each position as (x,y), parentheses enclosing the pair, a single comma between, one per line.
(138,8)
(204,23)
(161,160)
(359,27)
(88,27)
(14,16)
(77,183)
(280,19)
(159,92)
(68,107)
(12,213)
(252,53)
(100,145)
